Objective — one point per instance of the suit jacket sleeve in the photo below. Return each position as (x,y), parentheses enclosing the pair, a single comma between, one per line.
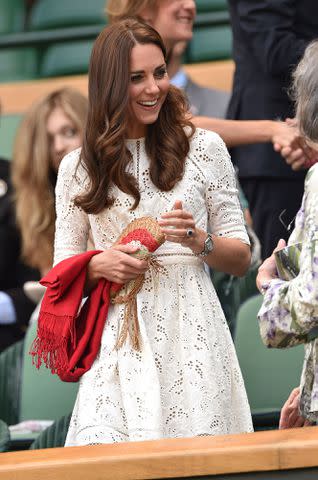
(268,28)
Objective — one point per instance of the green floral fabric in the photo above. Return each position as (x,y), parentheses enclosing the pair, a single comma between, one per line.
(289,314)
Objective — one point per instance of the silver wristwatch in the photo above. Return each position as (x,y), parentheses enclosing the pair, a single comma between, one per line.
(208,246)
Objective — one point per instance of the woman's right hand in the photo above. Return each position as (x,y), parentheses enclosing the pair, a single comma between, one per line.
(116,265)
(290,416)
(267,271)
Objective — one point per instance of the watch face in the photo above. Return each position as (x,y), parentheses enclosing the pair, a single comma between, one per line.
(209,244)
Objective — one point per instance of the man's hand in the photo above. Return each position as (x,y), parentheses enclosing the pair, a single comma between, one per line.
(288,141)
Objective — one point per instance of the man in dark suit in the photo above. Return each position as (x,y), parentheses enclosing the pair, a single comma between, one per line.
(269,38)
(15,306)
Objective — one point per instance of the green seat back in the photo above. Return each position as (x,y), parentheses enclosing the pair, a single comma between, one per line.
(8,129)
(204,6)
(48,14)
(247,284)
(233,291)
(12,16)
(70,58)
(17,64)
(53,436)
(10,379)
(210,43)
(269,374)
(43,395)
(4,437)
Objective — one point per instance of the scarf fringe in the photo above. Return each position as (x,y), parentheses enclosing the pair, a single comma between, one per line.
(55,335)
(130,324)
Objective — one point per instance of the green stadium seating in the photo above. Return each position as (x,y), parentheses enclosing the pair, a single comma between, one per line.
(12,16)
(18,64)
(4,437)
(47,14)
(10,375)
(43,395)
(69,58)
(204,6)
(8,129)
(210,43)
(30,394)
(53,436)
(212,38)
(269,374)
(233,291)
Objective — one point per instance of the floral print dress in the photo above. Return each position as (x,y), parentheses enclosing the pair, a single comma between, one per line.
(289,314)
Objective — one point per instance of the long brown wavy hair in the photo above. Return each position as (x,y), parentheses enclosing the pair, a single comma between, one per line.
(33,177)
(104,154)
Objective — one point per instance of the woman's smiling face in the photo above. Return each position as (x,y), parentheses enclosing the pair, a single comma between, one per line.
(149,85)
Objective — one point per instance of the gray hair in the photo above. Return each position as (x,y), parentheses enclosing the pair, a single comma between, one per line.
(304,91)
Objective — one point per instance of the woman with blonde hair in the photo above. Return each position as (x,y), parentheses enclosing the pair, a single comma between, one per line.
(50,129)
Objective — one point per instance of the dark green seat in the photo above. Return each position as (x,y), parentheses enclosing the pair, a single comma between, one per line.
(30,394)
(269,374)
(70,58)
(43,395)
(247,284)
(210,43)
(12,16)
(17,64)
(48,14)
(4,437)
(204,6)
(10,382)
(8,129)
(233,291)
(53,436)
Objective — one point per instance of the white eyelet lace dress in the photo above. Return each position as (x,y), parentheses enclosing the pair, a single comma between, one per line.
(186,380)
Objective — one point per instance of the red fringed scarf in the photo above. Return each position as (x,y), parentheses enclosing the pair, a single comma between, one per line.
(68,338)
(68,335)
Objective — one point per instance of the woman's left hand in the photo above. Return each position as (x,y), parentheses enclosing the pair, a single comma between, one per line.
(179,227)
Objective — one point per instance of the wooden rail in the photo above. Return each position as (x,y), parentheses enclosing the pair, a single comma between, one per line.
(16,98)
(271,451)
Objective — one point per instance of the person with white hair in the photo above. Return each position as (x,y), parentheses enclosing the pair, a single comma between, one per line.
(289,312)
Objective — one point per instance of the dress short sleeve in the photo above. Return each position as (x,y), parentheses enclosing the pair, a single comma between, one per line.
(72,225)
(225,215)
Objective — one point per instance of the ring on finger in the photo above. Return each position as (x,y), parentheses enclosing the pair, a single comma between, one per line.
(189,232)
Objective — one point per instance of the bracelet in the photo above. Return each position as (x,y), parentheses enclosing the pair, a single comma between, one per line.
(264,287)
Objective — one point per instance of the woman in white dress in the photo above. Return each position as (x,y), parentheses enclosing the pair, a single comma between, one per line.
(142,157)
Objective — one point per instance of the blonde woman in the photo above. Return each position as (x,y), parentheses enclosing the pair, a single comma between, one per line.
(50,129)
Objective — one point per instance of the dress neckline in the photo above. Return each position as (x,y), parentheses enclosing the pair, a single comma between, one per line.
(133,141)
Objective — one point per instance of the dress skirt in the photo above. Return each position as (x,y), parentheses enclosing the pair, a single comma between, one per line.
(185,381)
